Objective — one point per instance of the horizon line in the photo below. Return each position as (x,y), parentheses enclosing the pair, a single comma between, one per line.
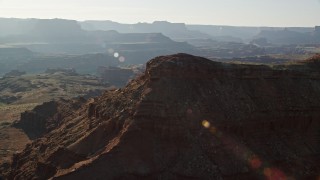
(194,24)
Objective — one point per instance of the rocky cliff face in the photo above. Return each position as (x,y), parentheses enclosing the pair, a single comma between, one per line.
(189,118)
(48,116)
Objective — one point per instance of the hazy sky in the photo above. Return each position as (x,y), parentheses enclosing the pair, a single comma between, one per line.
(222,12)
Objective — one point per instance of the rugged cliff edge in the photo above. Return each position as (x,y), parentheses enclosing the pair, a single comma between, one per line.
(189,118)
(46,117)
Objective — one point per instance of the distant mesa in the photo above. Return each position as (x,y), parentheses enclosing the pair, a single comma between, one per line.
(59,36)
(290,36)
(51,29)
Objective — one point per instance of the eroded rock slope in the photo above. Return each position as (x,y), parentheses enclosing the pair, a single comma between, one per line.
(189,118)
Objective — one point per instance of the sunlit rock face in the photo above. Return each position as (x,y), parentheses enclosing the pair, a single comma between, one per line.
(189,118)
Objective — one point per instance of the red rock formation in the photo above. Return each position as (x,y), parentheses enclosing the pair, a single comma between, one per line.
(189,118)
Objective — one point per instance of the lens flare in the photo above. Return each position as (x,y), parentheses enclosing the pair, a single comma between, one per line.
(274,174)
(245,154)
(267,172)
(116,55)
(206,124)
(122,59)
(213,130)
(255,162)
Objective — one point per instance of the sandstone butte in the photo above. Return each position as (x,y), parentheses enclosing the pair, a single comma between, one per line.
(186,117)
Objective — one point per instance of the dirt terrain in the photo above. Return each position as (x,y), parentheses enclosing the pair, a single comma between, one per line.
(23,93)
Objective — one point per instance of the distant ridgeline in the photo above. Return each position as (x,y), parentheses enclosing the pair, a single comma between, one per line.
(33,45)
(287,36)
(93,32)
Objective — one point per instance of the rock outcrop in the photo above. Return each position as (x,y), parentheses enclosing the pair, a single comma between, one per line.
(188,118)
(48,116)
